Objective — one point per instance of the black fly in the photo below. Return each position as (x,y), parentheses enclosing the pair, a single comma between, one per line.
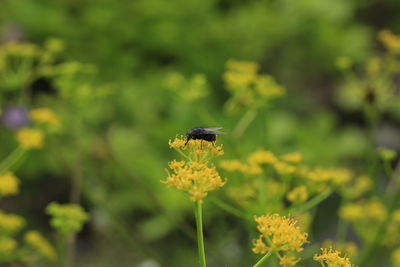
(203,133)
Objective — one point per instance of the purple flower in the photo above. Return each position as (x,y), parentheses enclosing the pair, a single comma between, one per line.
(14,117)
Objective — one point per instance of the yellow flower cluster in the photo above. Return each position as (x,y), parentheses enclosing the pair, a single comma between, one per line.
(263,157)
(7,245)
(190,89)
(336,176)
(288,261)
(298,194)
(30,138)
(392,235)
(44,116)
(195,176)
(9,184)
(348,248)
(357,188)
(198,150)
(294,157)
(332,258)
(280,234)
(364,211)
(67,218)
(389,40)
(38,242)
(11,223)
(248,88)
(396,257)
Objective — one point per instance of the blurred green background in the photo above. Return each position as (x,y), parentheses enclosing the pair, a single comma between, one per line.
(150,69)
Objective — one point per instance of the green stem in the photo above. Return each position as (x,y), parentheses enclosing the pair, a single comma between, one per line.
(62,246)
(200,240)
(11,159)
(231,209)
(341,231)
(263,259)
(244,122)
(310,204)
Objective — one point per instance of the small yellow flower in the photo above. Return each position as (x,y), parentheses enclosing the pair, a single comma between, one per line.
(193,177)
(197,149)
(332,258)
(259,246)
(262,157)
(348,248)
(295,157)
(37,241)
(281,233)
(8,184)
(298,194)
(7,245)
(231,165)
(11,223)
(389,40)
(45,116)
(30,138)
(396,257)
(288,261)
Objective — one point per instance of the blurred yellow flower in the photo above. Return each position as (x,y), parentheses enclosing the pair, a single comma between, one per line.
(262,157)
(396,257)
(280,234)
(332,258)
(298,194)
(389,40)
(45,116)
(9,184)
(11,223)
(370,210)
(37,241)
(30,138)
(7,245)
(283,168)
(294,157)
(231,165)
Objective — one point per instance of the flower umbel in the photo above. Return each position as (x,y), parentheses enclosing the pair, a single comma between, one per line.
(195,176)
(67,218)
(39,243)
(8,184)
(30,138)
(332,258)
(280,233)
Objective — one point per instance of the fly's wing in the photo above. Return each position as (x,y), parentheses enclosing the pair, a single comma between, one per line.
(213,130)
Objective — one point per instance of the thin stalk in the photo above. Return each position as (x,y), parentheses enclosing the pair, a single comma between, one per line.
(263,259)
(11,159)
(244,122)
(62,240)
(231,209)
(200,240)
(311,203)
(343,226)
